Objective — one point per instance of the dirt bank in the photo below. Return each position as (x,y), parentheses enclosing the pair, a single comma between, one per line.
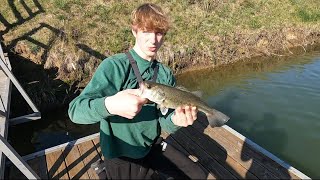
(57,82)
(245,45)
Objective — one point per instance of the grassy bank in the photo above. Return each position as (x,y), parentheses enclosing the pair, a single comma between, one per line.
(67,39)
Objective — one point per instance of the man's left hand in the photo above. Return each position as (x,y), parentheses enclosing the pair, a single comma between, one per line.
(184,116)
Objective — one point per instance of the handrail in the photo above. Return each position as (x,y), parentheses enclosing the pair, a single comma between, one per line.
(7,71)
(5,147)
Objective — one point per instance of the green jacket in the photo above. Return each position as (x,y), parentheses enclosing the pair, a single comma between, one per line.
(120,136)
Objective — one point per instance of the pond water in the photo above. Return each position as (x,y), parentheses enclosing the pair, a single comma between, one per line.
(274,102)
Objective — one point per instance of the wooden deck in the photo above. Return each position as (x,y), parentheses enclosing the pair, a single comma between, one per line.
(67,161)
(221,152)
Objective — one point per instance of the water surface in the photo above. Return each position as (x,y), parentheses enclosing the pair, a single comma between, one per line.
(274,102)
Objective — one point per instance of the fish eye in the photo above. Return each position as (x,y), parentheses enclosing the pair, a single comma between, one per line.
(146,85)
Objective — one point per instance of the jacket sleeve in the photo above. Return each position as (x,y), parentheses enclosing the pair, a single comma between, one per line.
(89,107)
(165,120)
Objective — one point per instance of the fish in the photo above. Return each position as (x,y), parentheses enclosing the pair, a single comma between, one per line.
(172,97)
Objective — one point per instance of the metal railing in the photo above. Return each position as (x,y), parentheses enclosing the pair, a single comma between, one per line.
(5,147)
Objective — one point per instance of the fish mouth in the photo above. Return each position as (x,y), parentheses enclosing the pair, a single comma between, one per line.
(144,93)
(142,87)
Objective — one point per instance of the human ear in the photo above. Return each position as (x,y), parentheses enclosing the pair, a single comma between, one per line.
(134,32)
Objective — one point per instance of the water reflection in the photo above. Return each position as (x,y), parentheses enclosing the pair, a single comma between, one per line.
(273,102)
(212,81)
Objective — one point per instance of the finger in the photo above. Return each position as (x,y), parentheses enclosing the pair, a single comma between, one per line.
(139,100)
(179,110)
(136,92)
(178,113)
(181,117)
(142,101)
(194,112)
(188,114)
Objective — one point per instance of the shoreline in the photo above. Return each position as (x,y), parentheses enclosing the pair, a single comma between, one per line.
(289,45)
(64,93)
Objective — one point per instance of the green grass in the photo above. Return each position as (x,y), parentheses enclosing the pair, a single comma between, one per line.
(308,16)
(198,26)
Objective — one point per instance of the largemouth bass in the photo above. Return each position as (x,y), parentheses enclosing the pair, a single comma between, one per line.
(171,97)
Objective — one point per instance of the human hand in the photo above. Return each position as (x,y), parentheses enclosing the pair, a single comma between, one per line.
(126,103)
(184,116)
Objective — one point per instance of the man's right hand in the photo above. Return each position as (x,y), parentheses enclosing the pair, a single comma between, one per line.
(126,103)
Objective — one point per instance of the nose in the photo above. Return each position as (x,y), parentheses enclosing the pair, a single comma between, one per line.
(153,38)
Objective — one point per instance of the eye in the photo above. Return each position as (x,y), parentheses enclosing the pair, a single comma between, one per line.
(147,86)
(159,34)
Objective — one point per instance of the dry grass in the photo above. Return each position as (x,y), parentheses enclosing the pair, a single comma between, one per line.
(75,35)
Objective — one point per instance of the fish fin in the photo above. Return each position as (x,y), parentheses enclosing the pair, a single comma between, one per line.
(197,93)
(163,110)
(216,118)
(182,88)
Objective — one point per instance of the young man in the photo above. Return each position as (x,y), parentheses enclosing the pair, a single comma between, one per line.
(130,126)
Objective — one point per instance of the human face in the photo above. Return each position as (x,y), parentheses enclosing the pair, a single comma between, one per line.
(147,43)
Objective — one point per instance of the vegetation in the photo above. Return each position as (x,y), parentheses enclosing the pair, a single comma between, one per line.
(73,36)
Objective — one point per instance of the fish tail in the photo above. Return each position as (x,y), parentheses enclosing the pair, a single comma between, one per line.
(216,118)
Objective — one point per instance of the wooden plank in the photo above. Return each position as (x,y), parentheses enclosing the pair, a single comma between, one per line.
(60,147)
(56,166)
(216,151)
(89,155)
(175,144)
(293,171)
(38,165)
(74,163)
(210,163)
(236,152)
(259,158)
(96,142)
(260,165)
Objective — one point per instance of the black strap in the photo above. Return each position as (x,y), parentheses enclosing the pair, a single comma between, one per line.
(137,72)
(135,67)
(155,72)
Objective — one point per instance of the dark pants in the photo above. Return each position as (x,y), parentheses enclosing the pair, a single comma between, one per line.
(158,164)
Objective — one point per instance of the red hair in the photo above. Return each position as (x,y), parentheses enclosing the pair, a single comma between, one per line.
(150,17)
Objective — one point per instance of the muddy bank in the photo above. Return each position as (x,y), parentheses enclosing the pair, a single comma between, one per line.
(245,45)
(58,80)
